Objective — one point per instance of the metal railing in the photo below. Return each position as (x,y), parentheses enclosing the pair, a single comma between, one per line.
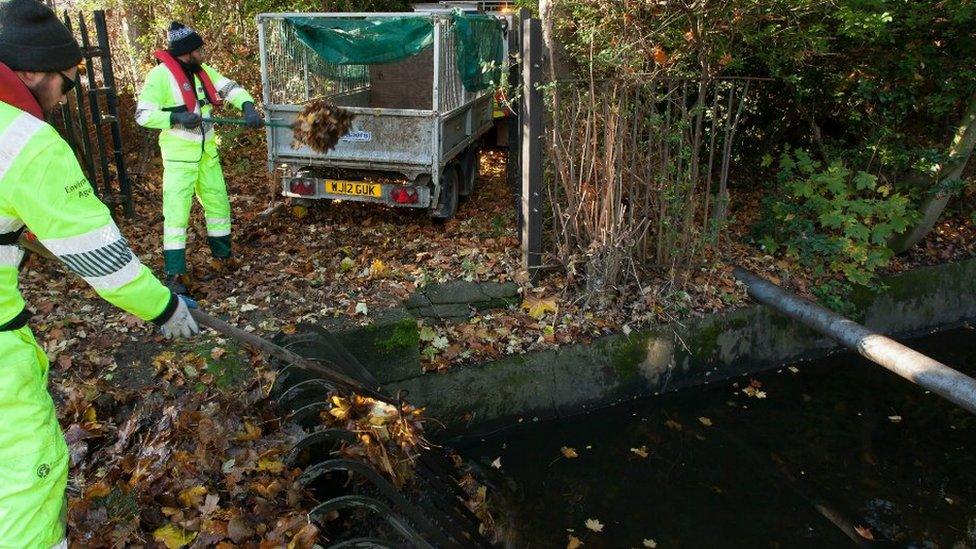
(89,120)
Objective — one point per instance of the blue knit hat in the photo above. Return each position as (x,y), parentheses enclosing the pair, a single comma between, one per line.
(182,39)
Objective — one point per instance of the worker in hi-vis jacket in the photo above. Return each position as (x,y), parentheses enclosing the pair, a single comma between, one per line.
(178,94)
(43,190)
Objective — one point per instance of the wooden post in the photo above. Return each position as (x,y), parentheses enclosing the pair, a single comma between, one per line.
(531,143)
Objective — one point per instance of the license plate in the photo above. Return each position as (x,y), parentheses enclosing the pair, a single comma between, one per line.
(354,188)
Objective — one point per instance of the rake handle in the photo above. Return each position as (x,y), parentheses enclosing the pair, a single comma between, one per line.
(242,122)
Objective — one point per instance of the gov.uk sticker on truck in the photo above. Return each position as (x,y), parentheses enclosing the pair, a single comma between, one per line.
(358,136)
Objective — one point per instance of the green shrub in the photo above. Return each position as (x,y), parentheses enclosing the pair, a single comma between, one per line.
(832,220)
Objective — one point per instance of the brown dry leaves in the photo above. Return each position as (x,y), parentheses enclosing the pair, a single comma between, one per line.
(320,126)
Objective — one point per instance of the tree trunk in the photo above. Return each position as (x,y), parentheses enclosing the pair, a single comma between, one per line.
(959,153)
(555,61)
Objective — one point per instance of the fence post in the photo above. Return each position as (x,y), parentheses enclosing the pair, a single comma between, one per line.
(531,144)
(514,165)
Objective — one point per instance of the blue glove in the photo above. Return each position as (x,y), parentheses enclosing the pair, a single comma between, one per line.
(251,116)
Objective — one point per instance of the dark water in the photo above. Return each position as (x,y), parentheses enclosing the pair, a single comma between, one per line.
(841,438)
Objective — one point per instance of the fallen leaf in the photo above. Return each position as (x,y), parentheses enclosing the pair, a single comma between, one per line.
(217,352)
(705,421)
(210,505)
(238,530)
(569,452)
(894,419)
(362,309)
(247,307)
(173,537)
(574,542)
(537,308)
(864,532)
(193,496)
(378,269)
(594,525)
(650,543)
(642,451)
(672,424)
(270,465)
(497,464)
(660,57)
(251,432)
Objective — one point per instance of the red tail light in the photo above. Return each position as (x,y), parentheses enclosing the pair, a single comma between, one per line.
(304,187)
(404,195)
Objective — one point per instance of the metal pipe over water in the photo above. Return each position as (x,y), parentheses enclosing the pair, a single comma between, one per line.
(942,380)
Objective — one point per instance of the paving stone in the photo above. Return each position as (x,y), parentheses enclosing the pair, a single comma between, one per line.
(455,291)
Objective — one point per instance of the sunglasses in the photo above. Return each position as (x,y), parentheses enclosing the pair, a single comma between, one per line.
(67,83)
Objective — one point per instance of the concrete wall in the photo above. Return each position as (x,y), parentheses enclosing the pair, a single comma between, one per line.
(577,378)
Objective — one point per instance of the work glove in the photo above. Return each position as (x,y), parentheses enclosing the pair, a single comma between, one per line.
(188,120)
(181,323)
(251,116)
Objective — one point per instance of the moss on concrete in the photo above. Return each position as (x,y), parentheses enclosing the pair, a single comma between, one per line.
(403,335)
(704,343)
(626,355)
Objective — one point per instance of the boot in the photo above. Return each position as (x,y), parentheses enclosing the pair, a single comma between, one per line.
(175,284)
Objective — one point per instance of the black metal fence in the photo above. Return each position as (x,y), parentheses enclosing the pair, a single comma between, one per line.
(89,119)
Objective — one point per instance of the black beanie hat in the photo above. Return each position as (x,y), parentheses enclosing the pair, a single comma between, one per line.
(33,39)
(182,39)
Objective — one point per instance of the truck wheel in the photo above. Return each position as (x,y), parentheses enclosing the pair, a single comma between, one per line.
(469,170)
(448,201)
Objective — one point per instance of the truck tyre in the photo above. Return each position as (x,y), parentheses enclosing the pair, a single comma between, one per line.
(448,202)
(470,163)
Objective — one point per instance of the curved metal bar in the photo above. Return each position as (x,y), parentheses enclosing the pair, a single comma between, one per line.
(387,490)
(332,437)
(289,397)
(288,377)
(374,506)
(308,416)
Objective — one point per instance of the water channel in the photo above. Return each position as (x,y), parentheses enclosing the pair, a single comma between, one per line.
(821,454)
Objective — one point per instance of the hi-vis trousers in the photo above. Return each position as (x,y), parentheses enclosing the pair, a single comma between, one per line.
(181,181)
(33,454)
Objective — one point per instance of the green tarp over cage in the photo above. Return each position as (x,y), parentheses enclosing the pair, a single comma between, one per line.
(342,41)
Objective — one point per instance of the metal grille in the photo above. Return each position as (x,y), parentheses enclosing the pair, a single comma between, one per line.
(89,119)
(452,92)
(296,74)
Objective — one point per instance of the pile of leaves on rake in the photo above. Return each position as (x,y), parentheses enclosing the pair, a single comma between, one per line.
(320,125)
(184,464)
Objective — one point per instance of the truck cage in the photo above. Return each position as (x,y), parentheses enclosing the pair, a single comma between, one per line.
(415,123)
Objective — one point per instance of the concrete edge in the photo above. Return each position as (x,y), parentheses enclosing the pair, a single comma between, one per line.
(616,368)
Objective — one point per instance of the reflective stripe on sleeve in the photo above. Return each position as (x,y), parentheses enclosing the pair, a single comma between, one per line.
(143,110)
(235,93)
(14,138)
(9,224)
(101,257)
(10,256)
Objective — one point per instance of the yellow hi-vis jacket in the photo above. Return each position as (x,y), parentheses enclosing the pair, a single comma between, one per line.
(42,186)
(161,95)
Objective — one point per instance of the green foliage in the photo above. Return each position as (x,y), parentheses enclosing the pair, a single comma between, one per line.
(228,27)
(878,83)
(832,220)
